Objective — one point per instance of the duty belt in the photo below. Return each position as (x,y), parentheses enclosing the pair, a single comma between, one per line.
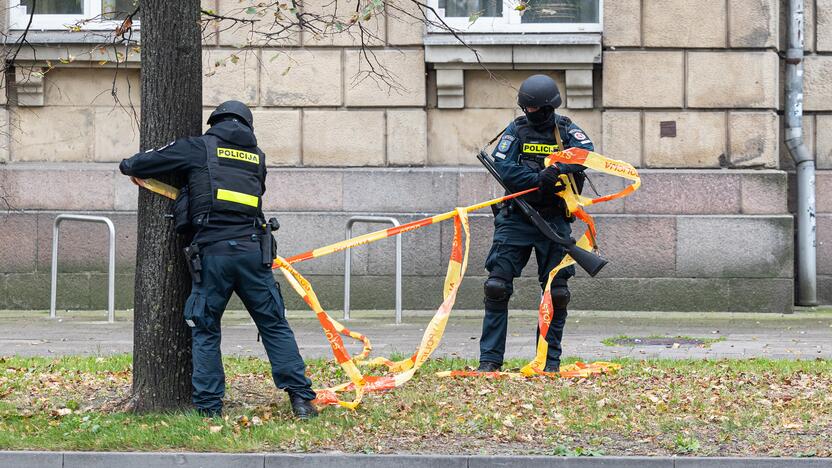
(250,243)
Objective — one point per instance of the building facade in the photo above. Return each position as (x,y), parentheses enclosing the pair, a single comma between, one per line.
(389,122)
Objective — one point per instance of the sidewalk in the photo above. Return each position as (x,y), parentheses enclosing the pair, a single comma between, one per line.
(803,335)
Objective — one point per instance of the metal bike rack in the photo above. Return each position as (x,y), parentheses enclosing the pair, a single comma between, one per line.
(111,272)
(347,263)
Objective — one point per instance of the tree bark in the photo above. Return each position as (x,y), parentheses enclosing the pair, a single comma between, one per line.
(171,78)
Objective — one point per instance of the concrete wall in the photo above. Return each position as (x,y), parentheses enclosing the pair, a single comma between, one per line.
(709,230)
(726,249)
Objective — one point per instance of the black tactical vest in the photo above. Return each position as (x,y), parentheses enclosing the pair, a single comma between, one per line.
(535,145)
(538,143)
(230,182)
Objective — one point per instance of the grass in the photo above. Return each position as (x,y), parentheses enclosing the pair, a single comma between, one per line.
(659,407)
(620,339)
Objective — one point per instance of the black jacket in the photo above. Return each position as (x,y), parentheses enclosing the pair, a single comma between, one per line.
(188,155)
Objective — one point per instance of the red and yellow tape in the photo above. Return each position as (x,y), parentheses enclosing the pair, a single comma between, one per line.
(575,204)
(404,370)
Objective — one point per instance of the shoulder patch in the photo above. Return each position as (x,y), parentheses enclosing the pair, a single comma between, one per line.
(578,134)
(500,155)
(505,143)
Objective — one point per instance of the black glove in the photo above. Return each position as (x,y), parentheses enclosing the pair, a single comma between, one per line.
(549,182)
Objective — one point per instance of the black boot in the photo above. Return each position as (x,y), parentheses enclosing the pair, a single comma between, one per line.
(486,366)
(552,367)
(303,409)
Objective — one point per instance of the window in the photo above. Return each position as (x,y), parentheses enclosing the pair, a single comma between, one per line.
(62,14)
(520,15)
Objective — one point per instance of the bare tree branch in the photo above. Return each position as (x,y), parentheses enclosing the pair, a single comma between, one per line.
(269,23)
(290,17)
(125,32)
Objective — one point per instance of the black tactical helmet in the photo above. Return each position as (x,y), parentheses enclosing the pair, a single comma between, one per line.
(539,91)
(232,108)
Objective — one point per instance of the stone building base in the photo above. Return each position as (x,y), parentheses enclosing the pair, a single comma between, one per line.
(712,240)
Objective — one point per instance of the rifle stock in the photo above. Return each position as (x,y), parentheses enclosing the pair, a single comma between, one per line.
(589,261)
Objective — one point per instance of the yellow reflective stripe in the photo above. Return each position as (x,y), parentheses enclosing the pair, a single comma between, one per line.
(239,155)
(539,148)
(237,197)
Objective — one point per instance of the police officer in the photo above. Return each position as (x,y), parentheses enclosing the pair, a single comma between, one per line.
(518,158)
(222,200)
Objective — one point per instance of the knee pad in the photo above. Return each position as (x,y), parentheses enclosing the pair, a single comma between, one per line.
(497,290)
(560,297)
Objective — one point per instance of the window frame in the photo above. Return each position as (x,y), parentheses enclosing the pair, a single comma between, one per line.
(19,18)
(510,22)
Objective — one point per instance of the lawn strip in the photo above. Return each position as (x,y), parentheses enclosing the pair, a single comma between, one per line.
(656,407)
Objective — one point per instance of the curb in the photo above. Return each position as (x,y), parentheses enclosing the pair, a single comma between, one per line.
(261,460)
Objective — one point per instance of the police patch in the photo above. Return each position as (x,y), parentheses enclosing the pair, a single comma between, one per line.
(580,136)
(239,155)
(505,143)
(539,148)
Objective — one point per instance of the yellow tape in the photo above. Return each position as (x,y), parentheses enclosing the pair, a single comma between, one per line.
(575,204)
(155,186)
(404,370)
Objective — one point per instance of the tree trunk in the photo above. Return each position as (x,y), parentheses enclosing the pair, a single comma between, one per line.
(171,108)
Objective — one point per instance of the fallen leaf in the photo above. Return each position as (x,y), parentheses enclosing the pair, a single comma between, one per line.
(214,429)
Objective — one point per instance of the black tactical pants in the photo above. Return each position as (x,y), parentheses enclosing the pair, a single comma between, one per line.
(236,266)
(514,240)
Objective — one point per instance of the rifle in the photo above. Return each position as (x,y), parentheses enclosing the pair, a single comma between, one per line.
(587,260)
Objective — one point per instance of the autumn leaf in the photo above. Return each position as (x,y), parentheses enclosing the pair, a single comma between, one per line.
(124,27)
